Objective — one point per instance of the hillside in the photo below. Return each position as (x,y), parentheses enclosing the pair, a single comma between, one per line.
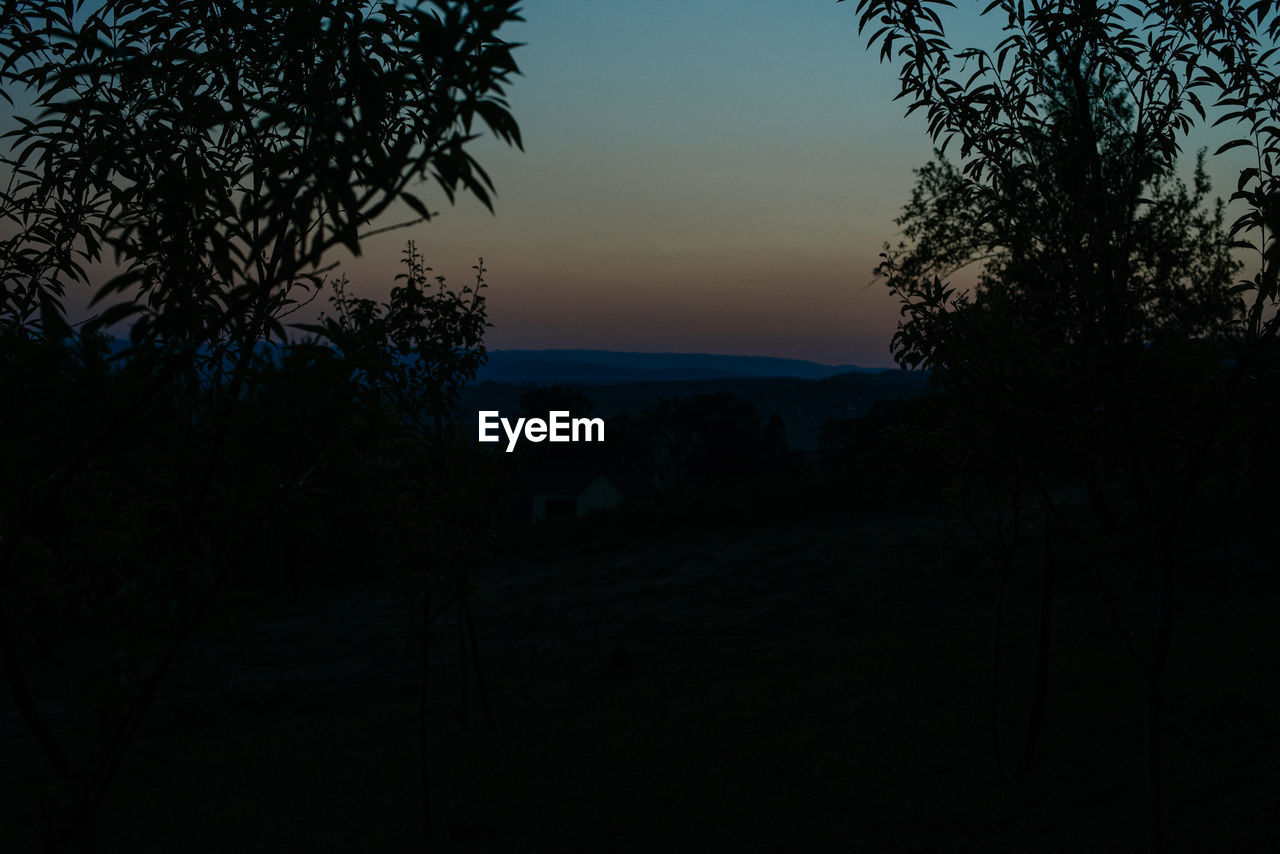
(603,367)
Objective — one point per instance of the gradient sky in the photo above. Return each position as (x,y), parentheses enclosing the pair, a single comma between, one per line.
(697,176)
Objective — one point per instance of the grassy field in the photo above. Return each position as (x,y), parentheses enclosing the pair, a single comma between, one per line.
(824,685)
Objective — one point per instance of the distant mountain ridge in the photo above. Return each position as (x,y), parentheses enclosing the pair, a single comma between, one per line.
(609,367)
(604,367)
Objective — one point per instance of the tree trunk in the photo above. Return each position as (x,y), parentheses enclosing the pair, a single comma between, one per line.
(424,765)
(1040,689)
(1155,671)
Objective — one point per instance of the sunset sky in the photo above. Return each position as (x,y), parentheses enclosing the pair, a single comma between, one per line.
(697,177)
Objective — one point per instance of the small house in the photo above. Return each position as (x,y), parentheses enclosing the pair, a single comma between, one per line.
(570,494)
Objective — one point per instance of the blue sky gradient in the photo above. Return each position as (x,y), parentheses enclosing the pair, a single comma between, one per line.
(697,176)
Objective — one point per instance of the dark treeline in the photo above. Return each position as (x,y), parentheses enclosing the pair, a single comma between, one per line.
(216,155)
(1111,374)
(146,500)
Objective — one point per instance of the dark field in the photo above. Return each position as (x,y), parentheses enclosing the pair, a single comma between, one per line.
(818,686)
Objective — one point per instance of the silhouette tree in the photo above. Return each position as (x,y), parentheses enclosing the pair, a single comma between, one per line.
(220,151)
(432,507)
(215,154)
(1102,282)
(713,439)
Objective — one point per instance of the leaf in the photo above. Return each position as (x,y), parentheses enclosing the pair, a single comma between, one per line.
(112,315)
(1235,143)
(416,204)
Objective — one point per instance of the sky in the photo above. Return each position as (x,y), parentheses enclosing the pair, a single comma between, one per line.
(710,176)
(697,176)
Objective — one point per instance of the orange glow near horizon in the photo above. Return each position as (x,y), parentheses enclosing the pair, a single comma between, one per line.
(692,181)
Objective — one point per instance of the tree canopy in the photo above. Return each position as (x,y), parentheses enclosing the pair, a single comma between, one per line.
(1107,92)
(213,155)
(217,151)
(1107,338)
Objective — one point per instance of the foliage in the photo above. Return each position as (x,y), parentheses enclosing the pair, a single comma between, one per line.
(1106,327)
(1104,323)
(1037,304)
(408,358)
(215,154)
(900,452)
(418,349)
(218,152)
(714,439)
(1127,81)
